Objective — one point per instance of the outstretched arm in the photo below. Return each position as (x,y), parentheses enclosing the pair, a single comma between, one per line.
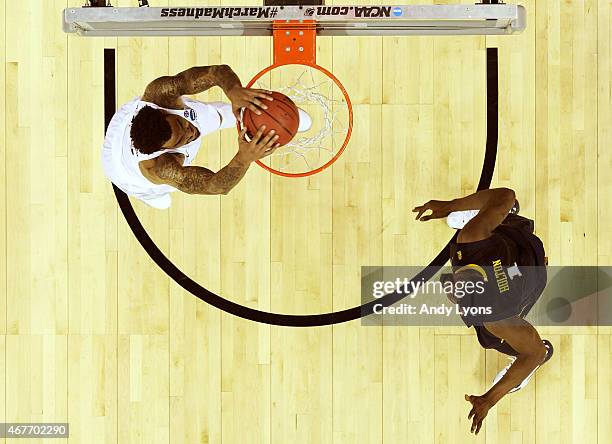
(494,205)
(523,338)
(201,78)
(165,91)
(200,180)
(192,81)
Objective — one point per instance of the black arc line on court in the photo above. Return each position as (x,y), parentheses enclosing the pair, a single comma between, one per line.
(289,320)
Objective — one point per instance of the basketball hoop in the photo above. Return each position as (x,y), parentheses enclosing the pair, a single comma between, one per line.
(294,29)
(295,73)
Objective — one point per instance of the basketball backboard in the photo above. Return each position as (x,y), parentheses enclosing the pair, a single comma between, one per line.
(337,20)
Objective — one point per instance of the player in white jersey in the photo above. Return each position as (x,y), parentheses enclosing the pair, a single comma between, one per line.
(152,140)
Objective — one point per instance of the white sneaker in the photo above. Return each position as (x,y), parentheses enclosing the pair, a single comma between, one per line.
(549,353)
(458,219)
(305,121)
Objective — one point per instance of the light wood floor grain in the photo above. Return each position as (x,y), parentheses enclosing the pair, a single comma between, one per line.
(94,334)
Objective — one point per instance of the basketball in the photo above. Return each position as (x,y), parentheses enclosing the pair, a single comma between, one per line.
(281,116)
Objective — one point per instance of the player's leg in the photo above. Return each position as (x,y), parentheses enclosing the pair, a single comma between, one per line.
(549,352)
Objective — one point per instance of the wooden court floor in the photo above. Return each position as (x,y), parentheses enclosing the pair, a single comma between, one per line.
(94,334)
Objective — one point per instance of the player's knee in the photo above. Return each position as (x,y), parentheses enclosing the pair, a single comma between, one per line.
(508,194)
(540,352)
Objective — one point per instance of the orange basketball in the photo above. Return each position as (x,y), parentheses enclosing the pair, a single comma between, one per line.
(281,116)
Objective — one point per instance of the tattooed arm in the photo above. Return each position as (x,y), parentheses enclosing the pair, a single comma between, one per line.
(200,180)
(166,91)
(201,78)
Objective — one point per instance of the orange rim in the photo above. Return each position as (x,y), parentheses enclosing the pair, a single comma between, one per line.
(350,119)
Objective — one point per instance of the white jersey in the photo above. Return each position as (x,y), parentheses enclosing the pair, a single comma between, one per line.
(121,160)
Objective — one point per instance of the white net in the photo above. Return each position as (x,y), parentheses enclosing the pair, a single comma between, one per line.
(318,95)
